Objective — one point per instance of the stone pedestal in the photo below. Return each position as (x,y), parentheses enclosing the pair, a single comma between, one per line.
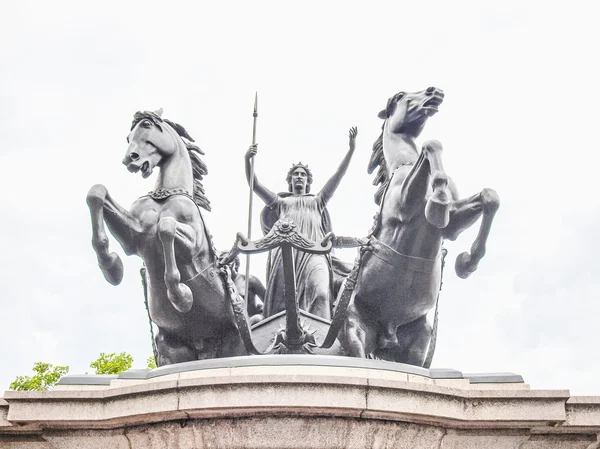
(297,402)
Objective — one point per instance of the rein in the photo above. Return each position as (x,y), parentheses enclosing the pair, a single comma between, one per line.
(350,283)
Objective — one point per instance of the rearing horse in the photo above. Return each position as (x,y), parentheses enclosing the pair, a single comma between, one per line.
(187,298)
(400,277)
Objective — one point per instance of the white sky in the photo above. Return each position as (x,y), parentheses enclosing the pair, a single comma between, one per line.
(520,116)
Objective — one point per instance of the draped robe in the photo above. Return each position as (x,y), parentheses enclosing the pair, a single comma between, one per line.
(314,282)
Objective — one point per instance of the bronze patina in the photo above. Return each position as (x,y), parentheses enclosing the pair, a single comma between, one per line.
(376,308)
(314,272)
(400,272)
(188,299)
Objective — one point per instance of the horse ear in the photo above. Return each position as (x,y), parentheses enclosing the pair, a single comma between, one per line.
(382,114)
(159,112)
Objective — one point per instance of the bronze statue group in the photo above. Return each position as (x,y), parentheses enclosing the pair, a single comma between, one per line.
(378,306)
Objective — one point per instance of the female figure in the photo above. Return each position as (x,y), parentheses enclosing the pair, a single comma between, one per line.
(314,277)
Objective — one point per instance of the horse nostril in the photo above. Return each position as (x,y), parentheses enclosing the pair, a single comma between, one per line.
(134,156)
(430,90)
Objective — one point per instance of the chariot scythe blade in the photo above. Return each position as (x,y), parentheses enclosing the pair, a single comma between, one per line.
(255,117)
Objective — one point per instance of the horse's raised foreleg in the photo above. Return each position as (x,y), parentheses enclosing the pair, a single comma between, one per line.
(464,213)
(110,263)
(437,209)
(169,229)
(123,225)
(413,189)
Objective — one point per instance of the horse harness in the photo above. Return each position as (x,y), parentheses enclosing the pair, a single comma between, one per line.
(236,302)
(372,244)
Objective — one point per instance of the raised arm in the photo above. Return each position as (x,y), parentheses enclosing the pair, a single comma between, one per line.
(265,194)
(330,187)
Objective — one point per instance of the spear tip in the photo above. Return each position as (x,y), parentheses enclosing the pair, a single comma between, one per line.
(256,103)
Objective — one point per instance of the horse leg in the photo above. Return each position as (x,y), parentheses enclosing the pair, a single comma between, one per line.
(437,209)
(412,342)
(357,337)
(179,294)
(465,213)
(123,225)
(110,263)
(231,345)
(413,189)
(171,350)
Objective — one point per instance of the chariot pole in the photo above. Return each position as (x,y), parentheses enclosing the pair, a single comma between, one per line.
(255,116)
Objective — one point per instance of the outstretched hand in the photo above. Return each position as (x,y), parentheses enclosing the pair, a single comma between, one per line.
(252,150)
(352,135)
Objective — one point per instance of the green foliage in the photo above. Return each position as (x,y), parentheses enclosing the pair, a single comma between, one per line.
(44,378)
(112,363)
(151,362)
(47,375)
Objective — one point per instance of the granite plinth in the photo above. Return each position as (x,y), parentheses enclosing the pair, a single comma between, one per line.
(298,402)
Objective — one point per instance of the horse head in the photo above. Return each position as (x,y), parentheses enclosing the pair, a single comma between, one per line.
(407,112)
(157,142)
(405,116)
(151,140)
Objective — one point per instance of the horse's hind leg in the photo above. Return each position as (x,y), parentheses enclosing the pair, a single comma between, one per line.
(171,350)
(437,209)
(356,336)
(110,263)
(465,213)
(413,341)
(178,293)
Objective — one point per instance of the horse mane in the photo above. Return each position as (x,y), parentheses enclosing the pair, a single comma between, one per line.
(199,168)
(377,156)
(378,160)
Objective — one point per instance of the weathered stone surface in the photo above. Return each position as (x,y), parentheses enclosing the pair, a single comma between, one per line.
(484,439)
(24,443)
(286,432)
(560,442)
(88,439)
(583,410)
(4,414)
(299,406)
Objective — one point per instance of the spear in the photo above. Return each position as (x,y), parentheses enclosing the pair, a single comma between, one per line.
(255,115)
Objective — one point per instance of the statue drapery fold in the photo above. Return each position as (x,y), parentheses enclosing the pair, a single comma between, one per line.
(315,277)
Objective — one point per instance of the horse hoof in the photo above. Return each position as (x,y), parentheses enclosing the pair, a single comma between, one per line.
(464,266)
(182,298)
(112,269)
(437,212)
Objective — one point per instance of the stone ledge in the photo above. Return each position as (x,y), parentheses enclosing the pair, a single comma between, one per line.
(371,403)
(4,414)
(87,379)
(297,432)
(493,378)
(287,390)
(583,411)
(290,359)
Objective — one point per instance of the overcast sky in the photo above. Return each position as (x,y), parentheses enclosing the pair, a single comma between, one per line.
(520,116)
